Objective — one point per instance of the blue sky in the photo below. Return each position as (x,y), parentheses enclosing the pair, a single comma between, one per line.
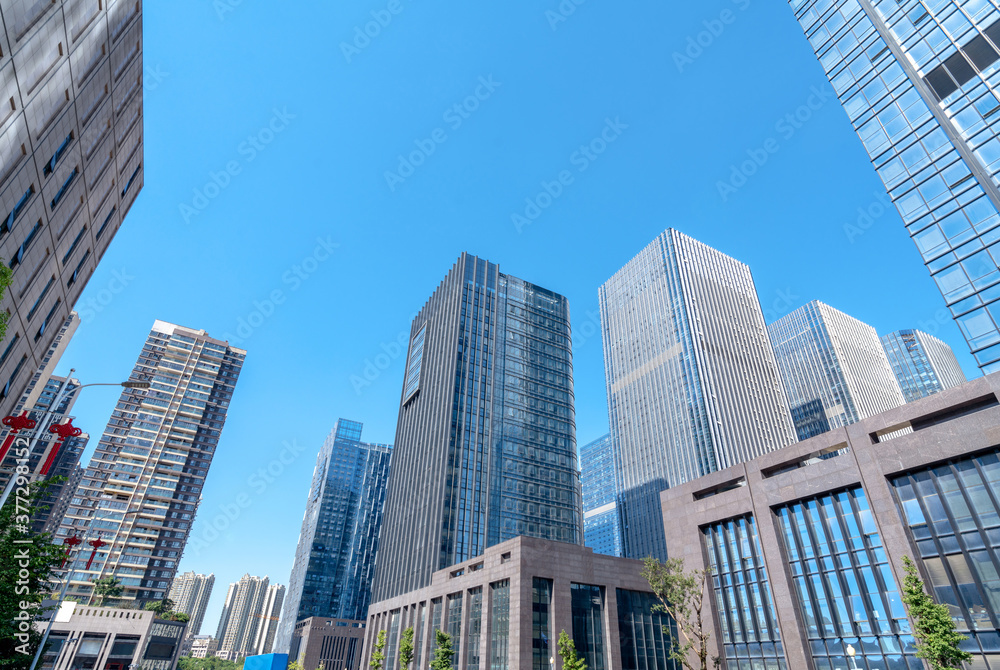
(306,189)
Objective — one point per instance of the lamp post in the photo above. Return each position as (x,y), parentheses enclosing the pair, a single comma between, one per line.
(62,597)
(18,423)
(850,654)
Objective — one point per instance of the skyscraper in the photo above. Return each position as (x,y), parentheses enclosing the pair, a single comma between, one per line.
(249,618)
(486,439)
(834,369)
(143,484)
(601,528)
(190,593)
(335,558)
(71,155)
(917,79)
(693,386)
(922,363)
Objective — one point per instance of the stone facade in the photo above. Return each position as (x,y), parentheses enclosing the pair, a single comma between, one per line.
(329,644)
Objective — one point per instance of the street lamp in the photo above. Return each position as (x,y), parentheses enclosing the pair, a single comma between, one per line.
(42,424)
(850,654)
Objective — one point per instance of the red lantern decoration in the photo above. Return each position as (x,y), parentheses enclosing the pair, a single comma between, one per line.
(63,430)
(16,424)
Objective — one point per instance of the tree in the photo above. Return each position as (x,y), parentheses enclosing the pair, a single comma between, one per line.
(295,665)
(106,587)
(933,627)
(6,277)
(682,598)
(22,552)
(567,652)
(406,648)
(443,653)
(208,663)
(378,653)
(161,607)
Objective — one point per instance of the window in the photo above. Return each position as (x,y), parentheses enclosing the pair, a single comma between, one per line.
(64,188)
(588,626)
(6,389)
(131,179)
(41,297)
(500,625)
(18,255)
(48,318)
(104,225)
(8,223)
(79,268)
(413,364)
(51,165)
(475,628)
(644,644)
(72,247)
(541,599)
(10,348)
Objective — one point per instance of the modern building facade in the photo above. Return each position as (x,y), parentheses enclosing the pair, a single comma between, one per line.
(320,642)
(486,426)
(71,155)
(111,639)
(693,386)
(922,363)
(190,593)
(806,543)
(249,618)
(601,528)
(142,488)
(506,609)
(916,80)
(834,369)
(335,557)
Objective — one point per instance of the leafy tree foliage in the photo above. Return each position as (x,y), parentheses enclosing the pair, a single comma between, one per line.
(682,597)
(378,653)
(567,652)
(444,652)
(406,648)
(106,588)
(933,627)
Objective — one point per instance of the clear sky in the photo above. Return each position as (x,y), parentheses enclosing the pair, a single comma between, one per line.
(289,156)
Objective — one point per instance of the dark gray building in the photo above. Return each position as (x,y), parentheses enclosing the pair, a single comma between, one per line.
(486,440)
(806,543)
(335,558)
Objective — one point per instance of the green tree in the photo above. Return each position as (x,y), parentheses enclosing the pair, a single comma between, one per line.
(209,663)
(933,627)
(295,665)
(161,607)
(105,588)
(682,598)
(6,277)
(444,652)
(378,653)
(567,652)
(21,550)
(406,648)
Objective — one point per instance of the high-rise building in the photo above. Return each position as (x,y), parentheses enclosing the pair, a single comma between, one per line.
(335,558)
(834,369)
(249,618)
(71,155)
(922,363)
(693,386)
(143,484)
(916,79)
(601,528)
(190,593)
(486,438)
(48,455)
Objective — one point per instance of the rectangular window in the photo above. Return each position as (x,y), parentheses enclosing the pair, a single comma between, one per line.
(541,600)
(413,364)
(18,256)
(8,223)
(72,247)
(51,165)
(475,627)
(588,624)
(644,644)
(10,381)
(500,625)
(79,268)
(107,220)
(455,624)
(10,348)
(131,179)
(48,318)
(64,188)
(41,297)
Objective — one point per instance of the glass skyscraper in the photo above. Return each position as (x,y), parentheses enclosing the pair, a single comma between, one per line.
(601,528)
(834,369)
(693,386)
(922,363)
(917,79)
(335,558)
(142,488)
(486,439)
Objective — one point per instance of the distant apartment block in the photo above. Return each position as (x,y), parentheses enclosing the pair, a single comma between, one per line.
(834,369)
(693,385)
(338,543)
(71,157)
(601,527)
(249,618)
(190,594)
(143,485)
(922,363)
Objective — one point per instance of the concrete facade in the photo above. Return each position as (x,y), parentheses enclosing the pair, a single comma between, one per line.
(518,561)
(330,644)
(951,425)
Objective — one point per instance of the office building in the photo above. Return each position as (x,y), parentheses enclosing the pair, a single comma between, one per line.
(806,543)
(486,427)
(505,611)
(142,488)
(320,642)
(110,638)
(922,363)
(190,593)
(916,80)
(335,558)
(249,618)
(692,383)
(834,369)
(71,156)
(601,530)
(46,455)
